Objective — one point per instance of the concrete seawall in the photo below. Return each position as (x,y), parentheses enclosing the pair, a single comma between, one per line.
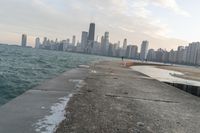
(33,111)
(107,98)
(120,100)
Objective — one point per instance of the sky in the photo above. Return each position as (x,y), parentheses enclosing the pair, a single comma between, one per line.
(164,23)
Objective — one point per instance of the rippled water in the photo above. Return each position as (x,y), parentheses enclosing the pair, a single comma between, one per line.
(24,68)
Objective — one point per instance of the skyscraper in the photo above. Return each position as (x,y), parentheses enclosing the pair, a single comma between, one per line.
(37,43)
(134,51)
(180,53)
(74,40)
(151,56)
(91,32)
(144,50)
(45,41)
(125,44)
(193,52)
(24,40)
(84,40)
(105,43)
(128,51)
(90,43)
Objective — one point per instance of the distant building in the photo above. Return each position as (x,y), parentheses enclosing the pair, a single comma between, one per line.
(198,57)
(84,40)
(37,43)
(24,40)
(193,53)
(134,51)
(111,50)
(91,36)
(180,54)
(91,32)
(74,40)
(128,51)
(151,56)
(172,56)
(144,50)
(159,55)
(105,43)
(96,48)
(125,44)
(45,41)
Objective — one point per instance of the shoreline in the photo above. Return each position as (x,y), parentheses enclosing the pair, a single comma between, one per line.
(107,97)
(41,108)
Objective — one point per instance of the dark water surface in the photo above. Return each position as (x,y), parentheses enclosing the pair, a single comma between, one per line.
(23,68)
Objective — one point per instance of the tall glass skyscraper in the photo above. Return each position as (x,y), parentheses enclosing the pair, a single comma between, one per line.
(91,35)
(91,32)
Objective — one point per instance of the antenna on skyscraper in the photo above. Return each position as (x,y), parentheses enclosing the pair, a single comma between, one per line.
(92,20)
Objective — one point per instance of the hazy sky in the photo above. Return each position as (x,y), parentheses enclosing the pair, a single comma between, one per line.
(165,23)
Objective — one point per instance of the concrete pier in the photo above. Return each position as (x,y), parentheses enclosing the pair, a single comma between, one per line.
(120,100)
(113,99)
(22,113)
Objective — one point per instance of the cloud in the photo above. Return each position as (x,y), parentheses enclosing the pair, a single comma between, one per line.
(126,29)
(64,18)
(172,5)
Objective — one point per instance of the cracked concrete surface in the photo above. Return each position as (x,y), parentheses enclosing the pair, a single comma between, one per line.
(119,100)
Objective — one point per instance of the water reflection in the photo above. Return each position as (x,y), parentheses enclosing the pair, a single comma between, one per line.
(164,75)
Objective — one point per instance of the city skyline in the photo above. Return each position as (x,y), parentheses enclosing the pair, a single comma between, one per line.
(188,55)
(165,23)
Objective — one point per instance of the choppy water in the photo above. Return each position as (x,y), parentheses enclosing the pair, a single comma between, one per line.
(24,68)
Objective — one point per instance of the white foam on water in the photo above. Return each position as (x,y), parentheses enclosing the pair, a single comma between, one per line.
(49,123)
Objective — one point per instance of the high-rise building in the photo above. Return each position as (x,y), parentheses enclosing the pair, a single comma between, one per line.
(180,53)
(144,50)
(128,51)
(91,32)
(125,44)
(74,40)
(134,51)
(185,55)
(193,52)
(45,41)
(159,55)
(172,56)
(84,40)
(151,56)
(198,57)
(105,43)
(111,50)
(37,43)
(24,40)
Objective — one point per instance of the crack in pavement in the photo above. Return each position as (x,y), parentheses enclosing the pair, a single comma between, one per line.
(144,99)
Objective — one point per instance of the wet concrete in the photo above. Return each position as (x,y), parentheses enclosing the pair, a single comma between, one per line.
(21,114)
(119,100)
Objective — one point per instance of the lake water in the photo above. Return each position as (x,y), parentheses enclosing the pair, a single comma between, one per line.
(23,68)
(164,75)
